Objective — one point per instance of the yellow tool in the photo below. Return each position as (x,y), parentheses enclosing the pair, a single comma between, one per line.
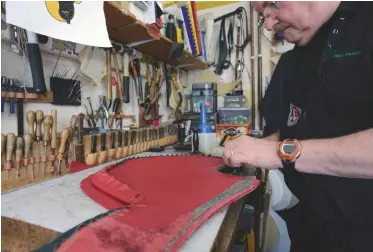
(64,137)
(48,121)
(19,150)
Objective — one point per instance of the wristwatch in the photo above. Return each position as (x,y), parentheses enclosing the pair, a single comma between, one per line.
(289,150)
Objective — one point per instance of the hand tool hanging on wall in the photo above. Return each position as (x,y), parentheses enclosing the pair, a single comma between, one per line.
(61,150)
(28,144)
(119,86)
(90,119)
(11,93)
(126,78)
(36,63)
(177,110)
(19,150)
(10,144)
(48,121)
(20,122)
(108,69)
(4,88)
(135,72)
(116,105)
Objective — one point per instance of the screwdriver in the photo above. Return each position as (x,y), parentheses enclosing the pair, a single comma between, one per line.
(64,136)
(4,88)
(48,121)
(10,142)
(11,99)
(28,143)
(19,150)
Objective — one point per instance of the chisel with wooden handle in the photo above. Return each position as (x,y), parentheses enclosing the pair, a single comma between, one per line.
(19,151)
(10,144)
(28,143)
(48,121)
(30,116)
(61,150)
(3,141)
(54,130)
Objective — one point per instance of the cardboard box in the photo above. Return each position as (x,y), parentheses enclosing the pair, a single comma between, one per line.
(228,131)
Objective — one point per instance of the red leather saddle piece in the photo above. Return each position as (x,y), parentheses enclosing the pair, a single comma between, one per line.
(169,197)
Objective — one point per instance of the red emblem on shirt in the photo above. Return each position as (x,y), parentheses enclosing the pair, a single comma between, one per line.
(294,115)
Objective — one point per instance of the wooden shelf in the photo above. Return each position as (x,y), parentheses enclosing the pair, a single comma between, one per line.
(123,27)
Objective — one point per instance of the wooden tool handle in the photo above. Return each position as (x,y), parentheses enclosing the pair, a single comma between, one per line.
(10,144)
(54,129)
(39,119)
(19,148)
(73,122)
(28,143)
(108,68)
(3,141)
(119,79)
(48,122)
(64,136)
(30,116)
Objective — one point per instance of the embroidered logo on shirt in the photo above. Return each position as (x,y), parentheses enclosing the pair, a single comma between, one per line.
(345,54)
(294,115)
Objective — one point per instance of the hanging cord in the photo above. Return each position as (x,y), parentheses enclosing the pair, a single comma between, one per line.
(245,32)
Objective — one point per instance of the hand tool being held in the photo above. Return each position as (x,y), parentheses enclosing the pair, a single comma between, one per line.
(61,150)
(19,150)
(28,143)
(30,116)
(48,121)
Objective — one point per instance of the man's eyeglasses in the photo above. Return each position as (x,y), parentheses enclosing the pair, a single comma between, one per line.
(271,5)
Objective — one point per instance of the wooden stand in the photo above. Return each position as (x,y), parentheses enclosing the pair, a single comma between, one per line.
(9,178)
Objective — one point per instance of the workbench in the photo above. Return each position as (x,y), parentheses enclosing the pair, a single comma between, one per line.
(54,206)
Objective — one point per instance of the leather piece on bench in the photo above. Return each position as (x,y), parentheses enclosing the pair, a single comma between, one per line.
(178,194)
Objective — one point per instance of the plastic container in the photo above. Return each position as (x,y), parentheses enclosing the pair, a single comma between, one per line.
(207,142)
(233,116)
(205,93)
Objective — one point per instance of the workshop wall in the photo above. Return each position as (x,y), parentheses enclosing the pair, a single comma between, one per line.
(228,75)
(14,66)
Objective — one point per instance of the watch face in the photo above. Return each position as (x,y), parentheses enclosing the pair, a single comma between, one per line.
(289,148)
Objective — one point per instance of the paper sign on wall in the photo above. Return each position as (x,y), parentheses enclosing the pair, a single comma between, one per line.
(81,22)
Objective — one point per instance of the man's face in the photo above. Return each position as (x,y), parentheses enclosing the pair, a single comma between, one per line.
(290,19)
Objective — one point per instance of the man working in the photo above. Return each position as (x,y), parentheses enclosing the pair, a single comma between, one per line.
(325,140)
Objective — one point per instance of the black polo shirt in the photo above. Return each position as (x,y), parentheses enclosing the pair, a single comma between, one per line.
(329,93)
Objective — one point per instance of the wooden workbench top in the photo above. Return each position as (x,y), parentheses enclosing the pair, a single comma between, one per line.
(59,204)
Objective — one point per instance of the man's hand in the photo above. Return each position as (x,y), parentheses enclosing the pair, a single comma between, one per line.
(245,150)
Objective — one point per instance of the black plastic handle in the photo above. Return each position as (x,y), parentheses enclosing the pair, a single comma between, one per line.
(120,138)
(93,144)
(103,141)
(36,65)
(112,136)
(126,89)
(126,138)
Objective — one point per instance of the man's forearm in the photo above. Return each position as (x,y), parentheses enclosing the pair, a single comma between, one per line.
(273,137)
(349,156)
